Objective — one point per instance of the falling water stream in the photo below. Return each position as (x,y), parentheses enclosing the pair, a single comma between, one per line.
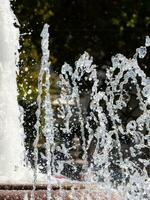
(11,140)
(12,151)
(44,75)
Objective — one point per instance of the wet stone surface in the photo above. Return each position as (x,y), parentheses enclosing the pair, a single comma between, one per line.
(68,192)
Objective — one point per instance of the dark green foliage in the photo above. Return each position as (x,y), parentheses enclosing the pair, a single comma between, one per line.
(102,28)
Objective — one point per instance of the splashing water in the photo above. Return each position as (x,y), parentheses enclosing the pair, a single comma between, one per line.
(112,162)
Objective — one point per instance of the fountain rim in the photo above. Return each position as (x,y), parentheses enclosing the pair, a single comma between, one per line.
(66,185)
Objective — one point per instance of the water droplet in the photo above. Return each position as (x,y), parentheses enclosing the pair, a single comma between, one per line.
(142,51)
(29,91)
(26,69)
(147,41)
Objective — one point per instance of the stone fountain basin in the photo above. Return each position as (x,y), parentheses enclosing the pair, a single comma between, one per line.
(68,190)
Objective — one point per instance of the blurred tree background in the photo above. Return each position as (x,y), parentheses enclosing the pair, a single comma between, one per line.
(100,27)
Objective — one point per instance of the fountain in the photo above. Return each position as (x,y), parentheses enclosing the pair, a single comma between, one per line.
(98,155)
(11,142)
